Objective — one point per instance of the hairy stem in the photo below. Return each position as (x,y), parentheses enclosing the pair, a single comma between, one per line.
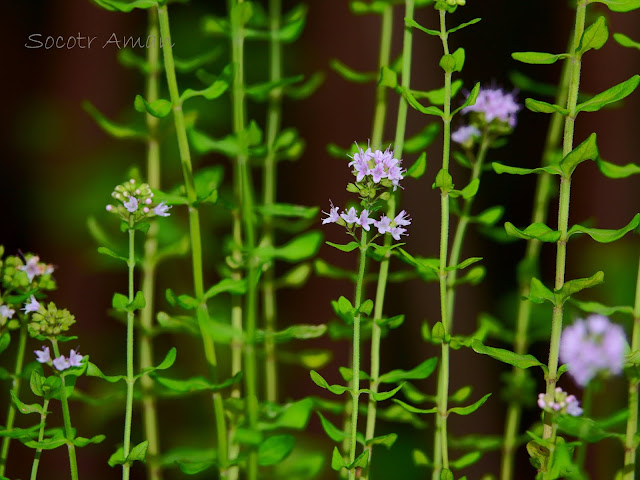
(15,388)
(630,444)
(36,457)
(126,467)
(149,410)
(202,312)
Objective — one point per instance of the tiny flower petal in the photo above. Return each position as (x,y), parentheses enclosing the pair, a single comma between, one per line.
(383,225)
(333,215)
(32,306)
(132,204)
(31,268)
(397,231)
(402,219)
(6,312)
(43,356)
(162,209)
(364,221)
(61,363)
(75,359)
(351,216)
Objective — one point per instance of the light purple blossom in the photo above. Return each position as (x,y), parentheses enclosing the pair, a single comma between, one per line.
(162,209)
(383,225)
(75,359)
(364,221)
(333,217)
(362,169)
(496,104)
(6,312)
(465,133)
(132,204)
(377,164)
(560,402)
(397,231)
(378,173)
(32,306)
(402,219)
(61,363)
(351,216)
(43,356)
(592,346)
(31,268)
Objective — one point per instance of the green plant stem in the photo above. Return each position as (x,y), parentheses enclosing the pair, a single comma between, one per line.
(441,451)
(149,410)
(529,265)
(36,457)
(274,115)
(563,212)
(247,212)
(15,387)
(461,229)
(355,386)
(202,311)
(66,416)
(131,263)
(630,446)
(587,411)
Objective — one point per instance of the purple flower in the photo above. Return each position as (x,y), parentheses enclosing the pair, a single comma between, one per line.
(31,268)
(496,104)
(6,312)
(333,215)
(378,173)
(43,356)
(162,209)
(351,216)
(383,225)
(361,169)
(560,402)
(402,219)
(75,359)
(61,363)
(465,133)
(592,346)
(132,204)
(32,306)
(364,221)
(397,231)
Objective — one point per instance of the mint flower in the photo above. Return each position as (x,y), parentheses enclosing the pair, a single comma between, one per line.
(383,225)
(43,356)
(131,205)
(378,167)
(162,209)
(496,104)
(560,402)
(350,217)
(591,347)
(465,134)
(6,312)
(61,363)
(33,268)
(136,202)
(396,232)
(75,359)
(333,217)
(32,306)
(364,221)
(402,219)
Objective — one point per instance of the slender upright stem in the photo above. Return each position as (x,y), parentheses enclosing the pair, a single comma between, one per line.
(441,451)
(247,213)
(126,467)
(36,457)
(149,410)
(66,417)
(587,411)
(355,386)
(15,388)
(529,265)
(274,115)
(563,208)
(461,229)
(630,445)
(202,312)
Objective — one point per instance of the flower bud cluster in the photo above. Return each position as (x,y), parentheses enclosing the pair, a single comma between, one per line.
(591,347)
(461,3)
(18,274)
(47,322)
(136,202)
(559,402)
(60,363)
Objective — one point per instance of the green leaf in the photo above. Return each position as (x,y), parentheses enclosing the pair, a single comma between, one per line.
(36,382)
(261,91)
(538,58)
(448,63)
(467,192)
(595,307)
(419,167)
(595,36)
(363,8)
(83,442)
(612,170)
(138,302)
(544,107)
(388,78)
(411,99)
(463,25)
(345,306)
(601,235)
(113,129)
(423,370)
(413,409)
(300,332)
(385,440)
(331,430)
(619,5)
(24,408)
(539,231)
(275,449)
(423,139)
(230,285)
(538,293)
(361,461)
(116,6)
(446,474)
(5,340)
(196,384)
(574,286)
(458,55)
(471,408)
(110,253)
(381,396)
(300,248)
(587,150)
(444,181)
(583,428)
(137,453)
(625,41)
(349,247)
(350,74)
(120,302)
(500,168)
(420,458)
(295,277)
(613,94)
(470,100)
(166,363)
(94,371)
(409,22)
(288,210)
(505,356)
(321,382)
(490,216)
(183,301)
(47,444)
(159,108)
(435,97)
(305,89)
(294,415)
(337,461)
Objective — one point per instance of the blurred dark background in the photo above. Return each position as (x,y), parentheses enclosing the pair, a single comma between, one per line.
(58,168)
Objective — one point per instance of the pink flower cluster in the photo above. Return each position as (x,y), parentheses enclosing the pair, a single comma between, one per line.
(384,225)
(560,402)
(61,363)
(378,165)
(496,104)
